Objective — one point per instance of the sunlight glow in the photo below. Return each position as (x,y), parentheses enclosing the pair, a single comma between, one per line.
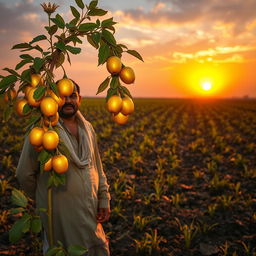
(207,85)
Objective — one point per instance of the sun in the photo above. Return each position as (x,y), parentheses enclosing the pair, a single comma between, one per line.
(206,85)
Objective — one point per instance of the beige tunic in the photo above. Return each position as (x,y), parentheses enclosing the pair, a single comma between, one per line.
(76,203)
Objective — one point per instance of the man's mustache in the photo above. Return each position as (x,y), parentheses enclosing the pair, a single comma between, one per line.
(68,105)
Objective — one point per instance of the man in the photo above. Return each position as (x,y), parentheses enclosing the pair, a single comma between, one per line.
(83,203)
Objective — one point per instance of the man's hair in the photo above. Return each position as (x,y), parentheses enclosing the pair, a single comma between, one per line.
(77,86)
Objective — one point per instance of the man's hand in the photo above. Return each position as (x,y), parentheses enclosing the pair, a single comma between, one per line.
(103,214)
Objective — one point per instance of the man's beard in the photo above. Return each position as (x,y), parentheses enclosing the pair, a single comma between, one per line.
(68,114)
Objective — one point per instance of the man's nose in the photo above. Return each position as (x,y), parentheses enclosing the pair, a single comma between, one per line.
(67,99)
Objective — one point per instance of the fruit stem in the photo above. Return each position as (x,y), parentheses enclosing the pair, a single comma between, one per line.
(49,20)
(49,212)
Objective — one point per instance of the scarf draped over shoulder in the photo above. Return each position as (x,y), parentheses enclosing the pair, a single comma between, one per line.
(86,142)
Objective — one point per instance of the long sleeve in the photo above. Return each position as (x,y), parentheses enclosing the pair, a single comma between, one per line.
(27,168)
(103,193)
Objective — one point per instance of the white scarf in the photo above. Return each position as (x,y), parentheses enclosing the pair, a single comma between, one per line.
(86,143)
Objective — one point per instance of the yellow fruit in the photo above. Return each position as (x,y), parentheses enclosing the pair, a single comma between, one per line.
(48,165)
(49,106)
(65,87)
(127,75)
(31,99)
(20,105)
(127,106)
(35,80)
(52,119)
(114,65)
(36,136)
(120,118)
(27,90)
(114,104)
(60,163)
(59,100)
(50,140)
(12,94)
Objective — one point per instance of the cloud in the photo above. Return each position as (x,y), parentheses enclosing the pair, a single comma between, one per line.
(18,23)
(19,17)
(190,11)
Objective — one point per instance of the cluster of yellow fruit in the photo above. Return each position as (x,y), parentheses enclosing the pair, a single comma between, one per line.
(120,108)
(49,140)
(43,137)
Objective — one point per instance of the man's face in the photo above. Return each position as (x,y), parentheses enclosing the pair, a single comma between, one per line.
(71,105)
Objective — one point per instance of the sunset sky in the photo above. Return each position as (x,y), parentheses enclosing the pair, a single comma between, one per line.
(191,48)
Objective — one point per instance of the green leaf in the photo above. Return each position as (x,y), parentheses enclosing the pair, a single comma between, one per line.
(108,36)
(68,57)
(7,113)
(22,45)
(50,181)
(123,46)
(18,198)
(60,45)
(114,82)
(8,80)
(38,48)
(125,91)
(33,120)
(74,50)
(52,251)
(39,92)
(38,38)
(93,4)
(111,28)
(14,211)
(60,179)
(52,30)
(44,156)
(111,92)
(119,50)
(61,60)
(25,76)
(92,42)
(97,12)
(87,27)
(103,85)
(76,250)
(80,4)
(135,54)
(11,71)
(36,225)
(98,23)
(26,56)
(56,179)
(73,22)
(63,149)
(75,39)
(96,37)
(75,12)
(26,109)
(46,53)
(60,253)
(104,53)
(38,64)
(59,21)
(22,63)
(54,88)
(107,23)
(19,228)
